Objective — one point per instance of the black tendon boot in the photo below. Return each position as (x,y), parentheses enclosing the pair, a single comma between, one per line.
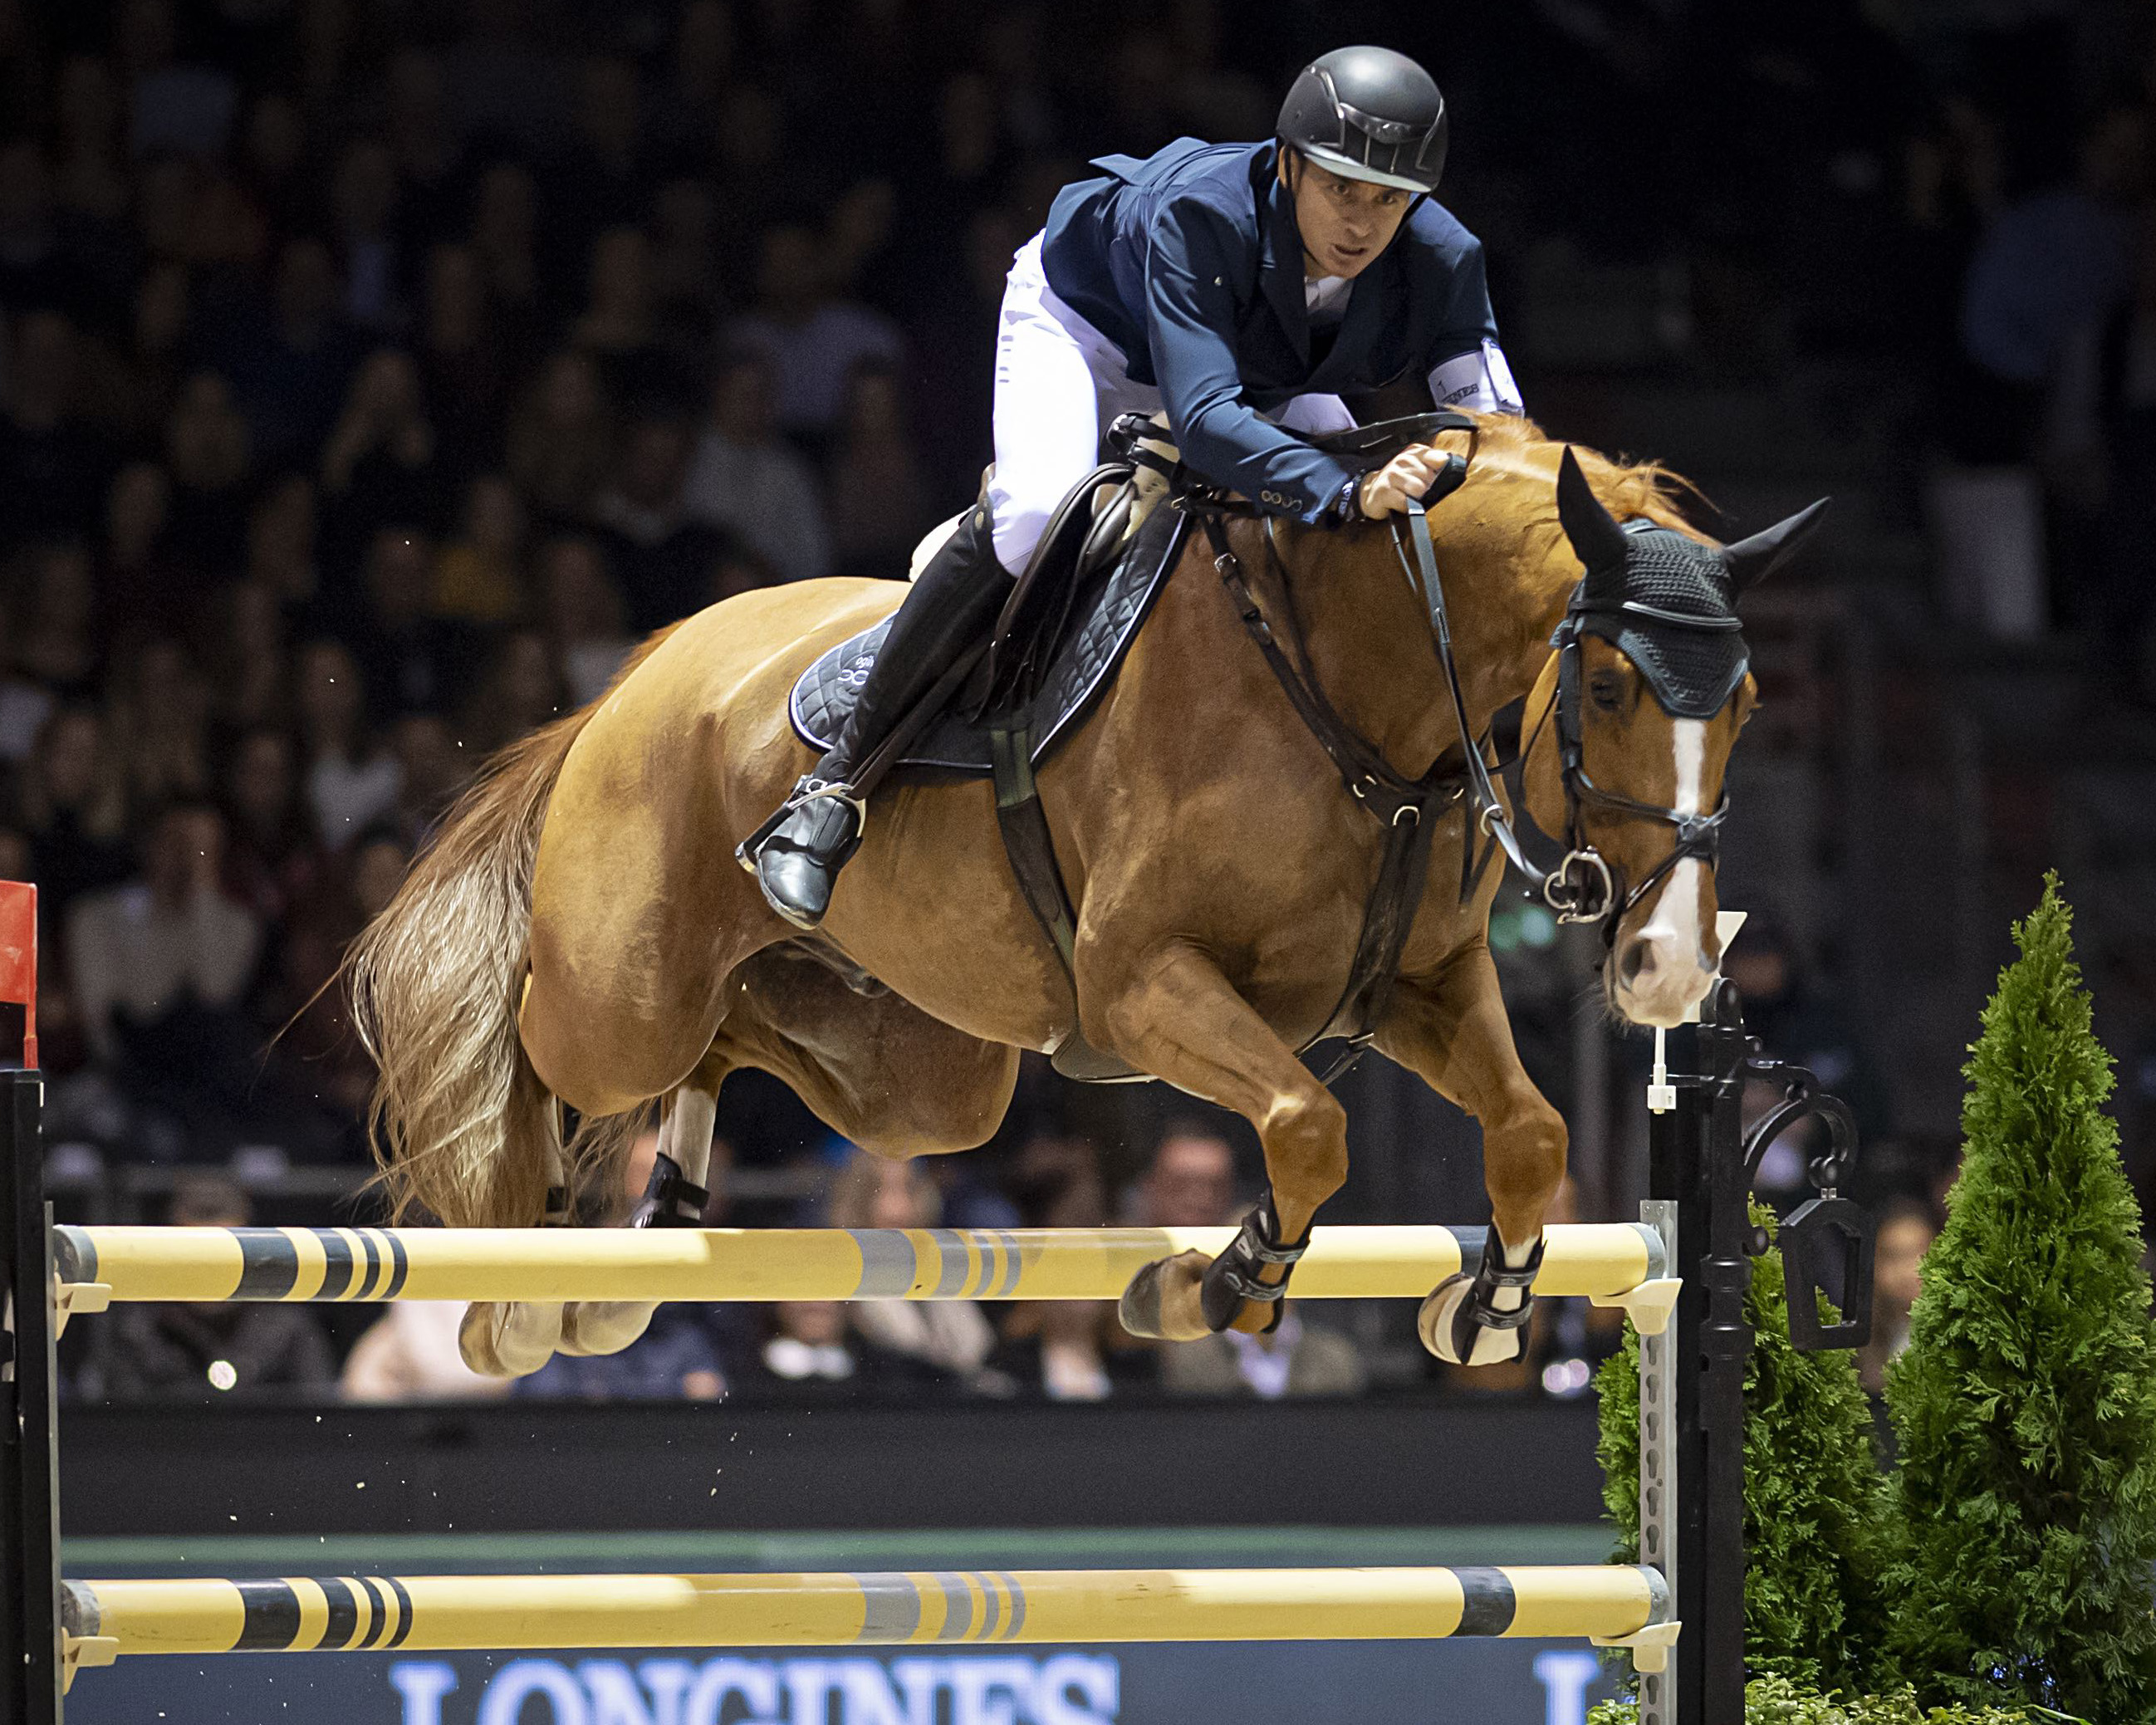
(796,861)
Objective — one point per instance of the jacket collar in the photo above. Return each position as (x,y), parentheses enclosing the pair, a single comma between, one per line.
(1279,255)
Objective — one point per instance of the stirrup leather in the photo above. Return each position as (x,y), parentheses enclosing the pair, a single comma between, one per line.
(671,1198)
(1232,1277)
(808,789)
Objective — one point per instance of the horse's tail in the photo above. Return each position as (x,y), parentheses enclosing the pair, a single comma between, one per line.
(461,1125)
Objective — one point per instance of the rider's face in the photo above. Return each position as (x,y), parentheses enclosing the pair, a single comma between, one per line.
(1345,223)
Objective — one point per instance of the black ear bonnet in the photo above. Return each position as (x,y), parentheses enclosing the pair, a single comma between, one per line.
(1668,604)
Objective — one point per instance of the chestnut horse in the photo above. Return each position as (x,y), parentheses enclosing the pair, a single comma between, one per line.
(580,933)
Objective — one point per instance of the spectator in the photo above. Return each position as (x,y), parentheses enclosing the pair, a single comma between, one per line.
(1191,1182)
(272,859)
(274,159)
(432,768)
(601,177)
(504,241)
(281,540)
(479,578)
(461,360)
(2103,434)
(410,660)
(250,670)
(949,1335)
(746,478)
(811,341)
(378,465)
(879,494)
(808,1355)
(208,451)
(663,556)
(249,1349)
(90,178)
(1292,1359)
(55,647)
(424,147)
(363,205)
(2053,263)
(561,444)
(154,961)
(1907,1226)
(619,326)
(1066,1350)
(410,1354)
(39,270)
(1806,1024)
(584,608)
(155,371)
(139,578)
(158,723)
(74,808)
(350,782)
(53,466)
(184,108)
(522,689)
(288,368)
(684,266)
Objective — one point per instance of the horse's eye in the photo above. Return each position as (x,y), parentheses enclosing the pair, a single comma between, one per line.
(1606,689)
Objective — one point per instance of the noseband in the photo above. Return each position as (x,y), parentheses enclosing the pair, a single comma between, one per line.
(1584,886)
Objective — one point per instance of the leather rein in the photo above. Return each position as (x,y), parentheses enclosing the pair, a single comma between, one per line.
(1583,887)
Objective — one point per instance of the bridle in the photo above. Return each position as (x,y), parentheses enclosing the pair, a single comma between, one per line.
(1585,886)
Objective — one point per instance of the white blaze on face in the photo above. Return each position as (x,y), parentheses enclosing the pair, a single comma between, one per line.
(1672,975)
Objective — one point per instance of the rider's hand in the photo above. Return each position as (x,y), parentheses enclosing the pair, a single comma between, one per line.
(1407,474)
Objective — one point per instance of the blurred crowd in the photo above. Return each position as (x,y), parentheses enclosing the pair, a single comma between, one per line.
(374,375)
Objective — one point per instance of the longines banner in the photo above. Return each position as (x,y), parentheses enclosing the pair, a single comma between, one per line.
(1304,1683)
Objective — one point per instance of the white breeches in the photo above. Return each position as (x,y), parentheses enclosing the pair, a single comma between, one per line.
(1060,384)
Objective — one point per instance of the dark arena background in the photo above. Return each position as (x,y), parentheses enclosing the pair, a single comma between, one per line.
(375,374)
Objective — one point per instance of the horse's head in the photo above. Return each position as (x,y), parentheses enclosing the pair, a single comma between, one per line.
(1632,722)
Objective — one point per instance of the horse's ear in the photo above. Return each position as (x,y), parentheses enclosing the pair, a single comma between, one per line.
(1592,529)
(1751,561)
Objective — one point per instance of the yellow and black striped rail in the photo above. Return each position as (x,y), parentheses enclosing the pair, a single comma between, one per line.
(1602,1260)
(105,1619)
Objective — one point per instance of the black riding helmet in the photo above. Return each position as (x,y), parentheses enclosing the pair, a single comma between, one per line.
(1368,113)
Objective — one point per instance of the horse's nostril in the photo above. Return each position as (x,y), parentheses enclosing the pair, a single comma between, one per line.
(1639,957)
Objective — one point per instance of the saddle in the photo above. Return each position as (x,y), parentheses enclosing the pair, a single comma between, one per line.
(1055,649)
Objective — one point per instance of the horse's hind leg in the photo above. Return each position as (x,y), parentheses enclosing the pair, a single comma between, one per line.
(1452,1032)
(674,1199)
(514,1338)
(1181,1020)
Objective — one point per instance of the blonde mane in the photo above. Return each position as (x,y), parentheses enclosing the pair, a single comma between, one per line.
(1625,488)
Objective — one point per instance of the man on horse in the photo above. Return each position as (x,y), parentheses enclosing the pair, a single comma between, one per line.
(1241,288)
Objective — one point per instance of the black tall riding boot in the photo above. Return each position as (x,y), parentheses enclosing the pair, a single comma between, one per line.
(956,596)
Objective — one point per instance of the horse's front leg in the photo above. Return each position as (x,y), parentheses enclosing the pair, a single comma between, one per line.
(1180,1019)
(1452,1032)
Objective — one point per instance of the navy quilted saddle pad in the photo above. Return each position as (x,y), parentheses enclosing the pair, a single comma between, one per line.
(1083,667)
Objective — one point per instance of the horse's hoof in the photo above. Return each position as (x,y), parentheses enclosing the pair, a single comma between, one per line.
(1163,1302)
(603,1326)
(1435,1324)
(510,1339)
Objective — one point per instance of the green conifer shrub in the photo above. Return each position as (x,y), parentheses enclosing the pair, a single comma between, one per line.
(1812,1492)
(1779,1701)
(2023,1506)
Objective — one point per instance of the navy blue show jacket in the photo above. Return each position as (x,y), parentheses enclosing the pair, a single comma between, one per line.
(1190,262)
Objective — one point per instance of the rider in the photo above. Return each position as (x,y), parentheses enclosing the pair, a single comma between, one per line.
(1244,287)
